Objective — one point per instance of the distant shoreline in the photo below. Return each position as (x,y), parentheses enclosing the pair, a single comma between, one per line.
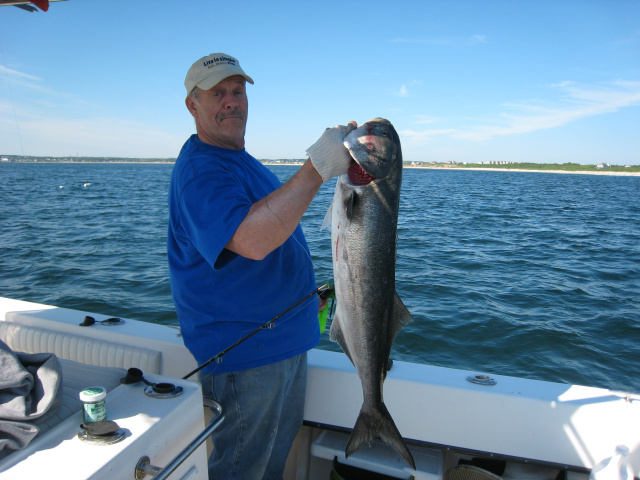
(418,167)
(578,172)
(497,169)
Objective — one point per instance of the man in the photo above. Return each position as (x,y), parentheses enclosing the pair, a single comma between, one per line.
(237,258)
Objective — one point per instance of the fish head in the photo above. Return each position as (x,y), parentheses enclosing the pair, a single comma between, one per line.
(375,148)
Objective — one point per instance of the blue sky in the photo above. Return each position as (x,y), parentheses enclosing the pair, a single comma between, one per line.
(542,81)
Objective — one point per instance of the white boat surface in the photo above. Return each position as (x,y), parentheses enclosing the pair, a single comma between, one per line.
(529,429)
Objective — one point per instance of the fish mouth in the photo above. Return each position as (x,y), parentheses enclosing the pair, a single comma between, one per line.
(357,174)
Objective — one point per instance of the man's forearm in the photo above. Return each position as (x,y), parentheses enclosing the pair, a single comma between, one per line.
(273,219)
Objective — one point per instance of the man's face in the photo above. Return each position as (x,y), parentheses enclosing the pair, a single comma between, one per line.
(221,113)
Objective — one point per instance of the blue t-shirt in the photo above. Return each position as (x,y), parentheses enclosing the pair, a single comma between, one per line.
(220,296)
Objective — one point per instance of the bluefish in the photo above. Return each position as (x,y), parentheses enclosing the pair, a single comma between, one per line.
(369,313)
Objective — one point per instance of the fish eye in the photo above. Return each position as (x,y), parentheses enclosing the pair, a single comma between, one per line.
(384,133)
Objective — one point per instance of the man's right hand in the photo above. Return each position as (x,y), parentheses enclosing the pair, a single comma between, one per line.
(328,155)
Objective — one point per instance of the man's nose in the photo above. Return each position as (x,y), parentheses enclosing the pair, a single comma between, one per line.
(229,101)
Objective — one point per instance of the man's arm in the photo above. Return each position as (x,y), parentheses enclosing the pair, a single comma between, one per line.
(273,219)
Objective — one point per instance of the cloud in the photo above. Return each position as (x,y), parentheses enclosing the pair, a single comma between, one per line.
(98,137)
(9,72)
(38,120)
(36,88)
(404,91)
(628,39)
(575,103)
(425,135)
(425,119)
(93,135)
(17,79)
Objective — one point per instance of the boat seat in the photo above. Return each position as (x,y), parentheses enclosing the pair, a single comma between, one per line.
(75,378)
(79,348)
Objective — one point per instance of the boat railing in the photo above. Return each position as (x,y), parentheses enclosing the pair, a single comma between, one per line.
(144,467)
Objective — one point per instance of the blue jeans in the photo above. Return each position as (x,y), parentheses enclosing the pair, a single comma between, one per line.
(263,409)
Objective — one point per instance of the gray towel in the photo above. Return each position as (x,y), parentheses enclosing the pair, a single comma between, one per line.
(30,392)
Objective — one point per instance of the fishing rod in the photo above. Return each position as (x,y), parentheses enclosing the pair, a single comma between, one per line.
(323,291)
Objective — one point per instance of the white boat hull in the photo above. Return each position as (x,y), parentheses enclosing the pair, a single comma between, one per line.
(443,416)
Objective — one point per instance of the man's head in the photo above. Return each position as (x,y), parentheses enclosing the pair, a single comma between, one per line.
(217,99)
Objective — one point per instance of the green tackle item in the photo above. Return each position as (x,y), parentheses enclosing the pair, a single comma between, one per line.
(329,295)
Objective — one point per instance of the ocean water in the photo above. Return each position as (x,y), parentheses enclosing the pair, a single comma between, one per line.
(509,273)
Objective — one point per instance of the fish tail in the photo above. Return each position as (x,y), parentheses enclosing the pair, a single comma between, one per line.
(377,423)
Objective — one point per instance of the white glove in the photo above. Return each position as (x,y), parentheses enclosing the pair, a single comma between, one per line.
(329,155)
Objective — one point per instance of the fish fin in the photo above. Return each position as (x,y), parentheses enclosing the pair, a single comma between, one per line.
(336,335)
(349,204)
(326,223)
(401,315)
(373,423)
(399,318)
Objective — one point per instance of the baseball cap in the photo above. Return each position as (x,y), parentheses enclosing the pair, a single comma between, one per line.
(211,70)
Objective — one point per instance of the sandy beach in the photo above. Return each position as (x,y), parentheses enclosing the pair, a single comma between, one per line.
(578,172)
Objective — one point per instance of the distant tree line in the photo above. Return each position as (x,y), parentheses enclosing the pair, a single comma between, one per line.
(571,167)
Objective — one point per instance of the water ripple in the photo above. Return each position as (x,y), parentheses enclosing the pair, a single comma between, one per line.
(527,274)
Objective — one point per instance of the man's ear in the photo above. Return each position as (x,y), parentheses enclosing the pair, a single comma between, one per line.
(191,105)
